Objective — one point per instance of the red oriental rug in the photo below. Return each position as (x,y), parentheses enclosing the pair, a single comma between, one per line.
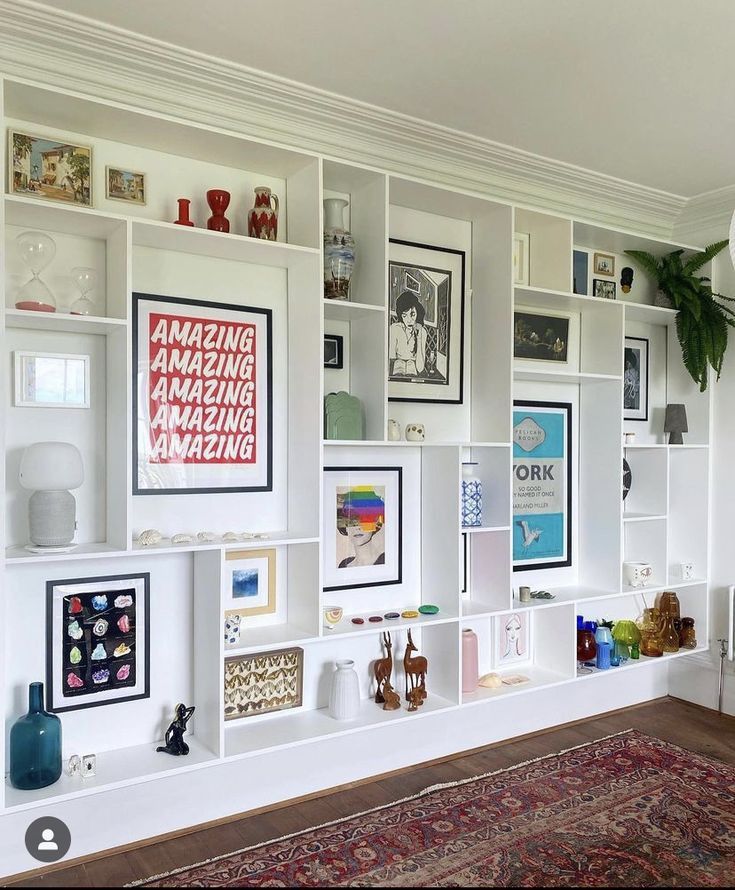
(625,811)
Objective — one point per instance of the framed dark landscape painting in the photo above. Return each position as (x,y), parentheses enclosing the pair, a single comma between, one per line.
(541,337)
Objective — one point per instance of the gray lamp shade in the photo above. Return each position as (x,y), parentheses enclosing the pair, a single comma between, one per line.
(675,423)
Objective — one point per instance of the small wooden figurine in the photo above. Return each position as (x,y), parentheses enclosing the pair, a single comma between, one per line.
(391,697)
(383,669)
(175,743)
(415,669)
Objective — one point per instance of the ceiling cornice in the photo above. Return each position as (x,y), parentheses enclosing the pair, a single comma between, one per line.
(706,217)
(47,45)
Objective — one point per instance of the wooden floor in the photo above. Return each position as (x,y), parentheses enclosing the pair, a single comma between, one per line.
(675,721)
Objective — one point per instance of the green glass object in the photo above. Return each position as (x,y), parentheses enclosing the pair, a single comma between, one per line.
(35,745)
(635,651)
(428,609)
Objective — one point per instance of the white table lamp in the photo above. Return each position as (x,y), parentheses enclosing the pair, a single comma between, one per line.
(49,470)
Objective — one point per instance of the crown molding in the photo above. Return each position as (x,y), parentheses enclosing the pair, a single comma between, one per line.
(108,63)
(707,217)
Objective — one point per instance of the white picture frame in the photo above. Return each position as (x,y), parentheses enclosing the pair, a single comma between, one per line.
(513,647)
(521,258)
(51,380)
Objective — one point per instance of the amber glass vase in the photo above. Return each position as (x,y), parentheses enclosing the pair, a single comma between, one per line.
(669,634)
(687,634)
(652,643)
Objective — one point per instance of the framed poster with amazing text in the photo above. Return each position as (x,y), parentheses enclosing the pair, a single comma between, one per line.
(202,397)
(426,323)
(542,485)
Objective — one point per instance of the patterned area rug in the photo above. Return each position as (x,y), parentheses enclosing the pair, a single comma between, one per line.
(626,811)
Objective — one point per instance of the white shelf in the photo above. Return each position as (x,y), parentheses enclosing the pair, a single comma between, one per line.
(643,517)
(38,213)
(21,556)
(62,322)
(426,443)
(538,679)
(634,663)
(221,245)
(481,529)
(254,639)
(346,310)
(647,314)
(560,376)
(246,737)
(115,769)
(659,588)
(274,539)
(346,628)
(540,296)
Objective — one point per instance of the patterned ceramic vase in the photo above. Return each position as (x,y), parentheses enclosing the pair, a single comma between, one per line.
(339,251)
(344,697)
(35,745)
(263,217)
(470,664)
(471,496)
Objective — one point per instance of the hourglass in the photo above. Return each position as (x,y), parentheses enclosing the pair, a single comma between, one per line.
(86,280)
(37,250)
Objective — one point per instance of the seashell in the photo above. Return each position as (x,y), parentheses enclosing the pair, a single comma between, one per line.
(230,537)
(205,537)
(253,536)
(149,536)
(490,681)
(182,538)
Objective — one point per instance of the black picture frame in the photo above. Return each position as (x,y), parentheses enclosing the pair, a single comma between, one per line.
(337,340)
(642,374)
(604,289)
(331,528)
(424,385)
(565,408)
(465,561)
(57,618)
(267,316)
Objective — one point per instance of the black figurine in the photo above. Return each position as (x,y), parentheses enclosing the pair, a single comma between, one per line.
(175,743)
(626,279)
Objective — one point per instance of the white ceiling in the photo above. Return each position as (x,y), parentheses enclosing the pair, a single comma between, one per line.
(637,89)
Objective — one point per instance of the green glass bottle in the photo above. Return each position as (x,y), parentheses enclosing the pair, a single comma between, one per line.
(635,651)
(35,745)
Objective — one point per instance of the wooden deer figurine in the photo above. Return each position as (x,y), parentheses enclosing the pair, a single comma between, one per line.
(415,669)
(392,698)
(383,669)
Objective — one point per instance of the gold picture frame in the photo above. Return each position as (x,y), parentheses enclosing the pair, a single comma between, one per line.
(256,582)
(49,168)
(125,185)
(604,264)
(263,682)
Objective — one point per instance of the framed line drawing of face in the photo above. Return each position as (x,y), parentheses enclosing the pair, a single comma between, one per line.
(426,323)
(512,639)
(635,379)
(362,527)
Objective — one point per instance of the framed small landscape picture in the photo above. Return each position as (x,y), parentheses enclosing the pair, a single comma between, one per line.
(49,168)
(125,185)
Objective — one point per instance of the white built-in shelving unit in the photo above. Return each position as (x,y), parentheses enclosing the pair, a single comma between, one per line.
(664,520)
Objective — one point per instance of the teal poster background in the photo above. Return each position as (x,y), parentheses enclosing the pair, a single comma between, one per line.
(541,485)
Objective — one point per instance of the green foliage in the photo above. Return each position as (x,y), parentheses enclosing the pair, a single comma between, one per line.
(702,321)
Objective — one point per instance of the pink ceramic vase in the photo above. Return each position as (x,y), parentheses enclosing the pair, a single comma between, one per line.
(470,665)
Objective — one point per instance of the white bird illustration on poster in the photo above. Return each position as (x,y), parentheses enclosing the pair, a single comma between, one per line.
(530,535)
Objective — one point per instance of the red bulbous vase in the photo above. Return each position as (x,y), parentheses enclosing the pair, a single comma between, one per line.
(218,200)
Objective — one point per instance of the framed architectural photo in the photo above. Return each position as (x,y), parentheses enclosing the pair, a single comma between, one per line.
(42,167)
(542,485)
(635,379)
(97,641)
(426,323)
(604,264)
(51,380)
(543,336)
(125,185)
(521,257)
(512,639)
(261,682)
(202,397)
(605,289)
(363,533)
(250,582)
(333,351)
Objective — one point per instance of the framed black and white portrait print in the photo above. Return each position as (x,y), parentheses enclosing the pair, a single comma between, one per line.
(333,351)
(426,323)
(635,379)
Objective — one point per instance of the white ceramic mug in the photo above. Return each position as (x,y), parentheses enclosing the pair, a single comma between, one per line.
(637,574)
(686,570)
(415,432)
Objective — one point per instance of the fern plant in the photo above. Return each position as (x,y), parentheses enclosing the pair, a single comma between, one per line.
(702,321)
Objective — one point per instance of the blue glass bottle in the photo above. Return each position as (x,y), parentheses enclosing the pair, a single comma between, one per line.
(35,745)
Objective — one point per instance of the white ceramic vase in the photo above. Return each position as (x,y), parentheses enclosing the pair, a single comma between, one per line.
(344,697)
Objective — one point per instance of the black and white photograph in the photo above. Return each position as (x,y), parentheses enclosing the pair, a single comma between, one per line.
(635,379)
(604,264)
(333,351)
(541,337)
(605,289)
(425,328)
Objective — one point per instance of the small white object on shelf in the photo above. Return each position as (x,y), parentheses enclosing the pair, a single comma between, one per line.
(149,537)
(182,538)
(89,766)
(205,537)
(344,697)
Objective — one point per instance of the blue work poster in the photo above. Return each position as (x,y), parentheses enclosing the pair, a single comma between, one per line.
(542,494)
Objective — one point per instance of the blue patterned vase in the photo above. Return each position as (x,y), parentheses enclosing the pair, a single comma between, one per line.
(339,251)
(471,496)
(35,745)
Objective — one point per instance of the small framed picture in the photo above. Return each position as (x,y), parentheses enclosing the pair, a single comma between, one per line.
(512,639)
(51,380)
(333,351)
(521,257)
(125,185)
(604,264)
(605,289)
(49,168)
(635,379)
(97,641)
(250,582)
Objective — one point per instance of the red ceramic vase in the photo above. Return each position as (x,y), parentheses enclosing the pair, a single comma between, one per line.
(218,200)
(183,219)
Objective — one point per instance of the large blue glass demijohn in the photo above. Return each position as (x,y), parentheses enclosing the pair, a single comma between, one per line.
(35,745)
